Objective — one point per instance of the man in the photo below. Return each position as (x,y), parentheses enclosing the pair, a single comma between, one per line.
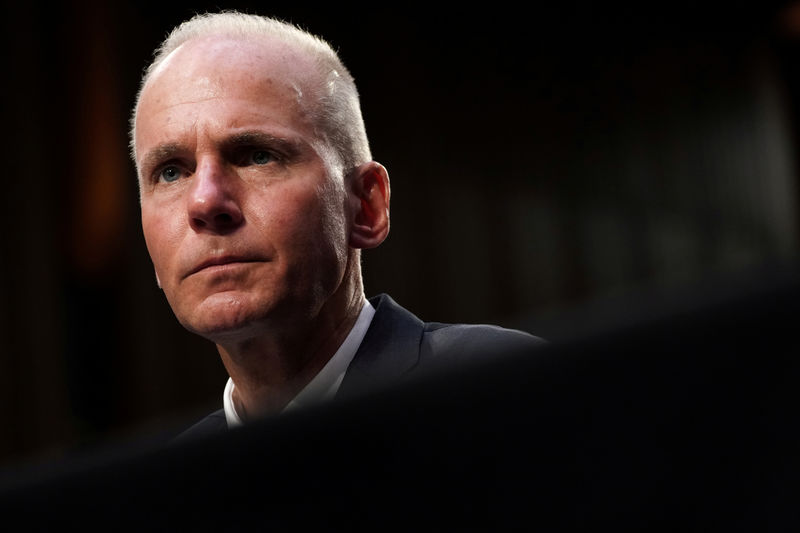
(258,192)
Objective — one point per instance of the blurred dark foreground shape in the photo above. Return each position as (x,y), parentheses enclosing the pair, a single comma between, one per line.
(687,421)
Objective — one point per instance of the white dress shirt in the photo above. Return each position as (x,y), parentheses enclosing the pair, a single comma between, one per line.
(326,383)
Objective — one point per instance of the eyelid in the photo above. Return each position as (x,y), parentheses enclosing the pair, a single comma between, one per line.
(155,174)
(242,154)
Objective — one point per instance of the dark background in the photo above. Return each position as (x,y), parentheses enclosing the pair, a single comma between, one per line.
(554,169)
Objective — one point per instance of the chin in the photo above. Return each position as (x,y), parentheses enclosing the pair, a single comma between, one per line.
(226,318)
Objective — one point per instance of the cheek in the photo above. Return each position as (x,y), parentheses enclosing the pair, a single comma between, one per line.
(283,213)
(158,236)
(334,226)
(306,222)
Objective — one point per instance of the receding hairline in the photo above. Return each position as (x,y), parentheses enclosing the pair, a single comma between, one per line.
(340,115)
(271,45)
(310,77)
(280,62)
(235,25)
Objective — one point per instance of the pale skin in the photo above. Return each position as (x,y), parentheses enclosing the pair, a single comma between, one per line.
(253,227)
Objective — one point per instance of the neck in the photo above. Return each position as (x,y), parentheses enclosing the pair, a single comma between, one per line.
(272,368)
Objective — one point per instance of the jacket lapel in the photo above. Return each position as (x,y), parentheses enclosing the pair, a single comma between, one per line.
(390,348)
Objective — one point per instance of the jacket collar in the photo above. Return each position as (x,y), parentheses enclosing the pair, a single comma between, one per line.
(390,347)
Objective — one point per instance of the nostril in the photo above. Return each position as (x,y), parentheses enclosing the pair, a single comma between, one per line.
(223,218)
(218,216)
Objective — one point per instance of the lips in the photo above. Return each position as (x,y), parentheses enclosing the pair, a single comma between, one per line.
(221,261)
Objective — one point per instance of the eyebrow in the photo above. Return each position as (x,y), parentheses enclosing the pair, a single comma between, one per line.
(290,147)
(160,153)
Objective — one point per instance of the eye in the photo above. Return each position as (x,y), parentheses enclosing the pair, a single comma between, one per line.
(260,157)
(169,173)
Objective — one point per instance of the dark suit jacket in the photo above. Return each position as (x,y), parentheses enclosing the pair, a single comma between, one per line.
(398,345)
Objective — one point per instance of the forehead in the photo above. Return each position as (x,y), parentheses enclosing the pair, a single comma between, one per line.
(225,79)
(217,56)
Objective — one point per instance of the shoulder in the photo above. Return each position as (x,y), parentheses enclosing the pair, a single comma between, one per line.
(473,341)
(399,332)
(210,425)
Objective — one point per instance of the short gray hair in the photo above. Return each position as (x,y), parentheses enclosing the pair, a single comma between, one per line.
(337,114)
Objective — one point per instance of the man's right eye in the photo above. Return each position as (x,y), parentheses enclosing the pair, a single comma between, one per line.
(170,173)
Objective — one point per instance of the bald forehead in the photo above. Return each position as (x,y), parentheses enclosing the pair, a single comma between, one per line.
(205,68)
(215,58)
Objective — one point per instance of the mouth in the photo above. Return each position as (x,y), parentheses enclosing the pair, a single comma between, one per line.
(222,262)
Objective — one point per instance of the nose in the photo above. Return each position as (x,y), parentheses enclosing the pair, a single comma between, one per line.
(214,204)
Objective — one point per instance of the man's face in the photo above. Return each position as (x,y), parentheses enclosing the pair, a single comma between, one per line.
(243,219)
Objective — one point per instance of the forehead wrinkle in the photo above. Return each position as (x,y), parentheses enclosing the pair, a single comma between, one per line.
(304,107)
(195,101)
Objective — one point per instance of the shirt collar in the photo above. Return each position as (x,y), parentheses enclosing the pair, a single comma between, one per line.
(327,381)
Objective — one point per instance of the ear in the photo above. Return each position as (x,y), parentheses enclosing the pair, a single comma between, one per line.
(370,196)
